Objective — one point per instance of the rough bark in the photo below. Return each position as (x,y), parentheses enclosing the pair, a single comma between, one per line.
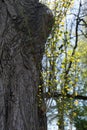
(24,28)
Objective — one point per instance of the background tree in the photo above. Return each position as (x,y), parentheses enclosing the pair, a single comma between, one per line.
(61,73)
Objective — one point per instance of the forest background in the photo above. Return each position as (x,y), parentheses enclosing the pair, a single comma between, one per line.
(65,66)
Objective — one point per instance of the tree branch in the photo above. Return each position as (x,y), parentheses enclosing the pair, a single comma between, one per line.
(57,94)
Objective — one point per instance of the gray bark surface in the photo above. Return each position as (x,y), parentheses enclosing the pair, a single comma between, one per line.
(24,28)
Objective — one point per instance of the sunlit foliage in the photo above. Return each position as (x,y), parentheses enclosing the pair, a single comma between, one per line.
(61,64)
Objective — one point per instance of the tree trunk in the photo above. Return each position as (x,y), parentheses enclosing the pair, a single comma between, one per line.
(24,28)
